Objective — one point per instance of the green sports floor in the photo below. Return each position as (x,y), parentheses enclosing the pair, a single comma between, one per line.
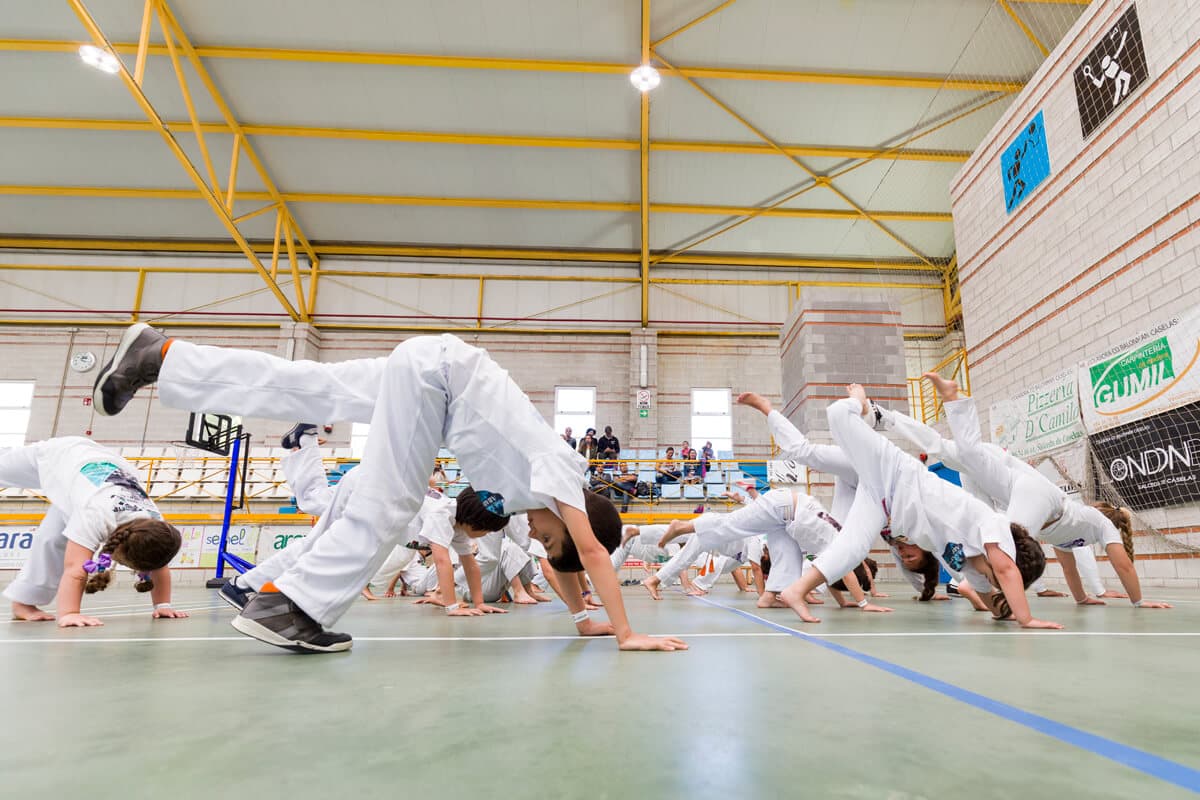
(933,701)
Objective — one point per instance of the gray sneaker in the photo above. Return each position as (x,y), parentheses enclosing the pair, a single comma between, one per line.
(134,365)
(272,618)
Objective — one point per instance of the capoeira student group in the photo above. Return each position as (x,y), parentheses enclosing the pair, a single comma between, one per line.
(526,520)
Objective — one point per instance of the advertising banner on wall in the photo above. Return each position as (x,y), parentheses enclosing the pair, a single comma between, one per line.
(1154,462)
(255,543)
(1040,419)
(1151,373)
(1110,73)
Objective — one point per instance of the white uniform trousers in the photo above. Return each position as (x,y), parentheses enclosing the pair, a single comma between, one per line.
(428,391)
(768,515)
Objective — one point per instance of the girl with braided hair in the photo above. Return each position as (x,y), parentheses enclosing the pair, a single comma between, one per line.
(1037,505)
(99,517)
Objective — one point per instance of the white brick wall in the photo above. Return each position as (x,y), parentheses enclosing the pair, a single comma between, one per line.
(1101,248)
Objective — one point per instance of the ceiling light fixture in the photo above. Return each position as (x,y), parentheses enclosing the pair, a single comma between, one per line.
(645,78)
(100,59)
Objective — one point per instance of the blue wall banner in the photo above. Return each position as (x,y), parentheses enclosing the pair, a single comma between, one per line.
(1025,163)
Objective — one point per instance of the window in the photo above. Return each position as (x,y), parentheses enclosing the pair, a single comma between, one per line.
(574,408)
(358,438)
(16,397)
(711,419)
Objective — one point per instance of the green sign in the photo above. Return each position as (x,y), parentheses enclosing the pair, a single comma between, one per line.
(643,412)
(1130,374)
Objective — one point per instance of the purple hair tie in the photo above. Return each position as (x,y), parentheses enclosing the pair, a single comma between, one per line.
(102,563)
(144,577)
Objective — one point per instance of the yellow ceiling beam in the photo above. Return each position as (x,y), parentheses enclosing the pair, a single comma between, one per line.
(1025,29)
(340,198)
(644,205)
(168,269)
(889,80)
(206,192)
(474,254)
(446,137)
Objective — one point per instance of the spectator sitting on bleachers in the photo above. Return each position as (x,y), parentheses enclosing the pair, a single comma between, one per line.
(609,445)
(668,470)
(569,439)
(691,467)
(624,485)
(706,455)
(589,448)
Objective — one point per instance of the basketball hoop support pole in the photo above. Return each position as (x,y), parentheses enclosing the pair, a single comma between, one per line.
(223,555)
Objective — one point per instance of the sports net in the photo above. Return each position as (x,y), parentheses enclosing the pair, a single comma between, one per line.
(1152,467)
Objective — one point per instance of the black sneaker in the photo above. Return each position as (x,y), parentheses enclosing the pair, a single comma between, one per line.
(291,439)
(272,618)
(952,590)
(134,365)
(235,595)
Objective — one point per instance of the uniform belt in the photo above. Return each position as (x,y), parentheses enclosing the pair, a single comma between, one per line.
(830,520)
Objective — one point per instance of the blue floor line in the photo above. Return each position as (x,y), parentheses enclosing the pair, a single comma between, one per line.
(1148,763)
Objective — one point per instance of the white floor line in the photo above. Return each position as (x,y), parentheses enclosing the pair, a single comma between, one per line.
(763,635)
(145,610)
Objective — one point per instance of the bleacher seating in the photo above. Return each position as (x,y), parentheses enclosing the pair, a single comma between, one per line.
(175,475)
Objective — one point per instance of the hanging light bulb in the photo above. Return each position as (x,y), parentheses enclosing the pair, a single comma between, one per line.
(100,59)
(645,78)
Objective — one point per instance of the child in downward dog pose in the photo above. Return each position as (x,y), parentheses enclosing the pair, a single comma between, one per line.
(1032,501)
(736,550)
(946,451)
(430,391)
(99,517)
(793,523)
(926,511)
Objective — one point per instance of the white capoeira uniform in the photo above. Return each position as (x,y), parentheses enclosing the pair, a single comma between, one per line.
(927,511)
(696,553)
(947,451)
(91,490)
(792,522)
(500,560)
(1028,497)
(430,391)
(645,547)
(718,565)
(305,474)
(826,458)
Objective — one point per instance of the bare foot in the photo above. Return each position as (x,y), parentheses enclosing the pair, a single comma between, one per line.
(524,599)
(630,532)
(367,594)
(27,613)
(1113,594)
(947,388)
(652,584)
(769,600)
(536,595)
(795,601)
(696,591)
(812,599)
(755,401)
(856,391)
(1050,593)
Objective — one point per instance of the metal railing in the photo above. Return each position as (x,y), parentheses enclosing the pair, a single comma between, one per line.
(924,401)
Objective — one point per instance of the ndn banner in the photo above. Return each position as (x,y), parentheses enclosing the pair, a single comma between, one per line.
(1154,462)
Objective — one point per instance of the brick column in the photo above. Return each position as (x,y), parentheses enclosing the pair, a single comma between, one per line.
(836,336)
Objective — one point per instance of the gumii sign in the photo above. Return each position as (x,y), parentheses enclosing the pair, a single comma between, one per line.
(1131,375)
